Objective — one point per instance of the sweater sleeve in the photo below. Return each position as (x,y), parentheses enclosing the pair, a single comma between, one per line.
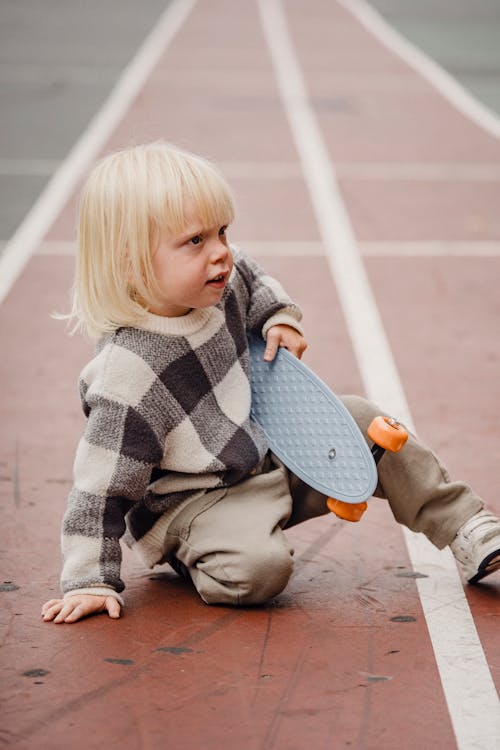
(269,304)
(112,469)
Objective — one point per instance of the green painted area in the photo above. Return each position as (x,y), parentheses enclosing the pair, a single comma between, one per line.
(463,36)
(59,60)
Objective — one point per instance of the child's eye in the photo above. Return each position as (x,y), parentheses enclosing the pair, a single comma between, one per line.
(222,231)
(195,240)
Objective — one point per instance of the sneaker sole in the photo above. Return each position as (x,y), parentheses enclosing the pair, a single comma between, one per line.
(489,565)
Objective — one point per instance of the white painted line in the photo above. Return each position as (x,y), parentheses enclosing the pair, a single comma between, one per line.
(279,248)
(415,171)
(258,248)
(467,683)
(362,317)
(44,211)
(448,86)
(431,249)
(469,690)
(312,248)
(423,172)
(266,170)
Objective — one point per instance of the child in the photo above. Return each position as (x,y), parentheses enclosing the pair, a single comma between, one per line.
(170,455)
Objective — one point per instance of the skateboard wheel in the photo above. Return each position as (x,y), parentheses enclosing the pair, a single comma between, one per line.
(347,511)
(387,433)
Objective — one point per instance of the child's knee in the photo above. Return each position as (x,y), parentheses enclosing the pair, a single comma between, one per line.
(268,572)
(251,577)
(361,409)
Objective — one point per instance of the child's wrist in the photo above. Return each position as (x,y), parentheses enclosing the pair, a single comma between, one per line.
(284,318)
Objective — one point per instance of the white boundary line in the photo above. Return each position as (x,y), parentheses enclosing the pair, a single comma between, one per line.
(467,683)
(44,211)
(419,250)
(448,86)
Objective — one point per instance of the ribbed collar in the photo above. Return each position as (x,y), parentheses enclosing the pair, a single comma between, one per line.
(184,325)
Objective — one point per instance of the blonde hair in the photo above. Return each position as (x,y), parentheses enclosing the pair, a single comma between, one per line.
(130,199)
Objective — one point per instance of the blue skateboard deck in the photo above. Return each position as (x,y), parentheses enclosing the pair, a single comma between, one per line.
(308,427)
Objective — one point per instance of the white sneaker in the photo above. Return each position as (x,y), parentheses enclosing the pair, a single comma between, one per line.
(476,546)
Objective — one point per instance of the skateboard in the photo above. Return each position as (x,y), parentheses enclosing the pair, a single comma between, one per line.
(310,430)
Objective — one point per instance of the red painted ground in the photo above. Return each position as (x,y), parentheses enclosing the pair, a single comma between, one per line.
(324,665)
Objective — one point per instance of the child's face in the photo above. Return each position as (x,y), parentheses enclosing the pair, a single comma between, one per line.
(192,269)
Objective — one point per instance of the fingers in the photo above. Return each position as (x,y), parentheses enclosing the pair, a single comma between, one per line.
(48,605)
(298,347)
(70,613)
(113,607)
(51,608)
(74,608)
(272,344)
(287,337)
(58,610)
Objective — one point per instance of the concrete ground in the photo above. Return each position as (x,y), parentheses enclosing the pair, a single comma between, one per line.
(58,63)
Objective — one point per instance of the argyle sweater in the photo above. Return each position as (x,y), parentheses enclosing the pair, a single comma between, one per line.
(168,418)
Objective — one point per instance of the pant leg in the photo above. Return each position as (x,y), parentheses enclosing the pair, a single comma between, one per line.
(232,543)
(415,483)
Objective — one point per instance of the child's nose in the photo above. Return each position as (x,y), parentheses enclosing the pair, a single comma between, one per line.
(218,250)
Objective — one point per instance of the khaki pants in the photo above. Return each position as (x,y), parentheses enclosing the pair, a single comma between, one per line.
(231,540)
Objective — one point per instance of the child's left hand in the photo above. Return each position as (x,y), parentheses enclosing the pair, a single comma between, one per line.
(287,337)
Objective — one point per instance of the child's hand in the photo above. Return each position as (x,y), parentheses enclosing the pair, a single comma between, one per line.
(287,337)
(75,607)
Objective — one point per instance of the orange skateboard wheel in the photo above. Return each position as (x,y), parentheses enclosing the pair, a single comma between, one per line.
(346,511)
(388,434)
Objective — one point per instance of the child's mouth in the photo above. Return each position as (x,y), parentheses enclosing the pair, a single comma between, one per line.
(218,282)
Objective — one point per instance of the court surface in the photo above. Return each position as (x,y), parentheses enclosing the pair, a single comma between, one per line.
(370,188)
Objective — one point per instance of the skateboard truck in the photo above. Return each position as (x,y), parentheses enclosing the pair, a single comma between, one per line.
(387,434)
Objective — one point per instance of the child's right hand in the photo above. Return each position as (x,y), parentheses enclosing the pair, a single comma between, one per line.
(76,607)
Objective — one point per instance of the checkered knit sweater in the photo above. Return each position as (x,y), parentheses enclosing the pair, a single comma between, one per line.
(168,418)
